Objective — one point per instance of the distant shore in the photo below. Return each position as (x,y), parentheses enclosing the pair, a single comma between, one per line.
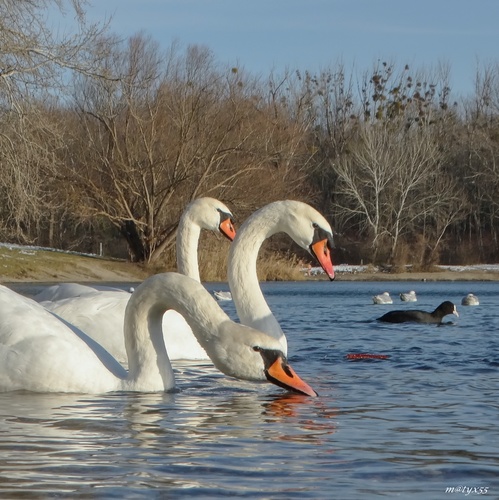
(346,272)
(120,272)
(464,275)
(27,264)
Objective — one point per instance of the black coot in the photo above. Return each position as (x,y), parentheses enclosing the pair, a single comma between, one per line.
(416,316)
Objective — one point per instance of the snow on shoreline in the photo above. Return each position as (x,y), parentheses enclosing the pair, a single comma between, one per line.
(31,249)
(353,269)
(313,271)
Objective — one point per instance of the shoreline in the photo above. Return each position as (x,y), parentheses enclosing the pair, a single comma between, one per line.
(130,273)
(35,265)
(464,275)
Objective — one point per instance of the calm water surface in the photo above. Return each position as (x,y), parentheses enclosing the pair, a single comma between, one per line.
(411,426)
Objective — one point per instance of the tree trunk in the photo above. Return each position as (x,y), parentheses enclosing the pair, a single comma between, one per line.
(135,244)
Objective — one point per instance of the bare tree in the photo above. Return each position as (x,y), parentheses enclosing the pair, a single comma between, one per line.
(160,131)
(391,182)
(364,180)
(32,52)
(33,62)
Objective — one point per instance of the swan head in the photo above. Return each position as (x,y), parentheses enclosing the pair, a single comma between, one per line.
(279,372)
(309,229)
(212,215)
(246,353)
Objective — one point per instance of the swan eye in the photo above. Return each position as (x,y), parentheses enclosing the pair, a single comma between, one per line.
(315,225)
(257,349)
(225,215)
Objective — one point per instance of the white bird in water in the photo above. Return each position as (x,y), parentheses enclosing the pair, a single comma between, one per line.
(409,296)
(308,229)
(382,298)
(470,300)
(100,312)
(39,352)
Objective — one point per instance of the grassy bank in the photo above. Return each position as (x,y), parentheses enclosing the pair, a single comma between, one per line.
(18,264)
(27,264)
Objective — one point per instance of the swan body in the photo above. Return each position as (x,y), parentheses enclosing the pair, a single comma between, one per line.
(62,291)
(41,353)
(307,227)
(382,298)
(470,300)
(409,296)
(100,313)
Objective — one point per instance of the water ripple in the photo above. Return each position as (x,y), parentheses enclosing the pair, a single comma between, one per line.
(410,426)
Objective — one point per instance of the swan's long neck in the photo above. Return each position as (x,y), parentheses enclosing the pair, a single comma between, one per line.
(251,305)
(188,233)
(149,366)
(148,363)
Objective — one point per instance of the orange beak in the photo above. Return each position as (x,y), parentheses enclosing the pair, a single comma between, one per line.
(281,374)
(322,253)
(227,229)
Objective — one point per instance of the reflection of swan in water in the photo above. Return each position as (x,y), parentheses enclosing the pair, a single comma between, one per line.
(242,416)
(39,353)
(51,442)
(100,313)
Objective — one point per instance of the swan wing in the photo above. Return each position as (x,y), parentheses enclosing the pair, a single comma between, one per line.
(100,315)
(38,352)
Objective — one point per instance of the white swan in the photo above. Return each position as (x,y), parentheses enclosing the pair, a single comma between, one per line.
(99,313)
(382,298)
(202,213)
(305,225)
(40,353)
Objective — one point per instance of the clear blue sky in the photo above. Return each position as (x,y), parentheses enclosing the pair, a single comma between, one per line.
(262,35)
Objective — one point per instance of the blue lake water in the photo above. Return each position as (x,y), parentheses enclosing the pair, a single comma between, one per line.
(411,426)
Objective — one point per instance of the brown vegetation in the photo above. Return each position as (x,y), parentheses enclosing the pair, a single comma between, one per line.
(103,143)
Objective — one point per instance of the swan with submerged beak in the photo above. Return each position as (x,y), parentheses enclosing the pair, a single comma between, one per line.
(40,353)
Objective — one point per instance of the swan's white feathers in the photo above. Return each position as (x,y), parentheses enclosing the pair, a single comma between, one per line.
(66,290)
(93,312)
(41,353)
(202,213)
(36,348)
(295,218)
(100,313)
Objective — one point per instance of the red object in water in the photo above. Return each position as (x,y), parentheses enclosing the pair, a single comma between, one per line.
(366,355)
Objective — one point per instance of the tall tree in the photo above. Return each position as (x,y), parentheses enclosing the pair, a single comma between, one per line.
(34,61)
(162,130)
